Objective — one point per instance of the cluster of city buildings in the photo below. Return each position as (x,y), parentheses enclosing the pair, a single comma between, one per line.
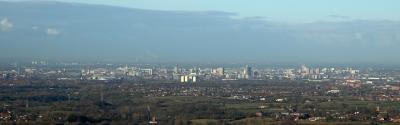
(191,74)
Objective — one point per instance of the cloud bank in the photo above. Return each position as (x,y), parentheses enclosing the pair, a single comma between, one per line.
(52,32)
(6,25)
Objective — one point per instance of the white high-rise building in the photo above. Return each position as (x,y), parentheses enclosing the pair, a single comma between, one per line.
(247,72)
(220,71)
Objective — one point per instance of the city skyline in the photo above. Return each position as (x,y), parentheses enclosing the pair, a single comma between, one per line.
(200,62)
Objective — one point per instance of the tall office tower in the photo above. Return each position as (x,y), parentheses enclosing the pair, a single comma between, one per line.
(220,71)
(317,71)
(305,70)
(311,71)
(248,73)
(176,69)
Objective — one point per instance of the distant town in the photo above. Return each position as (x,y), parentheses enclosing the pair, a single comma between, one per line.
(48,93)
(191,74)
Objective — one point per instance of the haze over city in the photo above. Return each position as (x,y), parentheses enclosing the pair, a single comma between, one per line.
(199,62)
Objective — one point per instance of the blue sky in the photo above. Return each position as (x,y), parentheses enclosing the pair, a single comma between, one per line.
(353,31)
(276,10)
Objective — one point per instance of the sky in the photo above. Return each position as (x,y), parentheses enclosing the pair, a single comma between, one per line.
(276,10)
(202,31)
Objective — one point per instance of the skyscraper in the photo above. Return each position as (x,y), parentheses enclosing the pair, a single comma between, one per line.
(305,70)
(220,71)
(176,69)
(247,72)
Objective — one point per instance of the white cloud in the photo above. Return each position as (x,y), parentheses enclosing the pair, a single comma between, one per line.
(35,28)
(339,16)
(52,32)
(6,25)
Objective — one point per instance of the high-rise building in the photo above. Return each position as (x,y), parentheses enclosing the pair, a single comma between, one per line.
(317,71)
(305,70)
(247,72)
(183,78)
(146,72)
(220,71)
(189,78)
(176,69)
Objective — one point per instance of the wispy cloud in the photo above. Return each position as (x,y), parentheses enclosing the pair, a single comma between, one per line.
(339,16)
(52,32)
(35,27)
(255,18)
(6,25)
